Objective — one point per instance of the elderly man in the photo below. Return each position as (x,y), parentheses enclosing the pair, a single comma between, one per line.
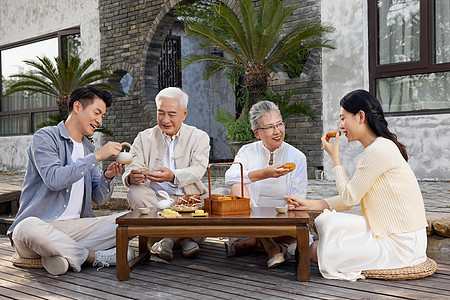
(55,220)
(176,156)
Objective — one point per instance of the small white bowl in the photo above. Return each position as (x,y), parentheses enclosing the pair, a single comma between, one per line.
(281,210)
(144,210)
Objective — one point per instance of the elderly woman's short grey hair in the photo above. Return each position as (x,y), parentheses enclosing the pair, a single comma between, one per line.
(258,109)
(172,92)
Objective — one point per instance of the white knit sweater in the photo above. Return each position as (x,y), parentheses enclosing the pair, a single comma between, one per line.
(386,187)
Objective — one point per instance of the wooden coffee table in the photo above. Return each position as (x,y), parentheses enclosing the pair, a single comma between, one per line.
(261,222)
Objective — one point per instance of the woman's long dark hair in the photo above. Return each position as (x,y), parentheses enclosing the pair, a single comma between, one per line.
(362,100)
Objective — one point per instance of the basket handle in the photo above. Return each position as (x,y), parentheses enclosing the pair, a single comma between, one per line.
(230,163)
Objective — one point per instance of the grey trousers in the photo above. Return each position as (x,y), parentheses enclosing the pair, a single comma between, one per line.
(71,239)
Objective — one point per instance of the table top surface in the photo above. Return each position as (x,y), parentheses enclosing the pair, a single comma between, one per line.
(257,216)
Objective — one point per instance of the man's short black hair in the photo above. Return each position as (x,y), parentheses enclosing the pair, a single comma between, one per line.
(86,95)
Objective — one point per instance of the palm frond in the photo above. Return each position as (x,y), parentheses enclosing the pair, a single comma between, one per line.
(59,80)
(249,21)
(223,116)
(211,38)
(301,107)
(52,120)
(193,58)
(45,68)
(300,38)
(212,68)
(33,83)
(230,23)
(271,18)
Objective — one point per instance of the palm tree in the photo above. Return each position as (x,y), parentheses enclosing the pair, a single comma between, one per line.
(59,80)
(254,43)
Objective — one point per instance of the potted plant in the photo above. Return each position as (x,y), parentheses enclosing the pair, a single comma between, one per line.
(239,132)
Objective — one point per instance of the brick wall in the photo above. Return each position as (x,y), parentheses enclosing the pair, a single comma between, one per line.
(305,133)
(131,36)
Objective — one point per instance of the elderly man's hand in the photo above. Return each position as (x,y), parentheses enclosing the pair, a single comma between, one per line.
(136,177)
(163,175)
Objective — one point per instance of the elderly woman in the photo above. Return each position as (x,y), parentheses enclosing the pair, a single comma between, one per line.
(266,182)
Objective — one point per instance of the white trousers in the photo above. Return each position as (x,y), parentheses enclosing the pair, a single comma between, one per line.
(71,239)
(347,247)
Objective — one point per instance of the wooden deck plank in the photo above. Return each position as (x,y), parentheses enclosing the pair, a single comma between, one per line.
(14,294)
(209,275)
(91,275)
(12,283)
(299,290)
(79,285)
(398,288)
(270,291)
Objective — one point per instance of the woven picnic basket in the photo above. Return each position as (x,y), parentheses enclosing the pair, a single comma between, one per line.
(33,263)
(422,270)
(234,205)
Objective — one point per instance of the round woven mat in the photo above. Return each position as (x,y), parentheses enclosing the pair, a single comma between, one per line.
(18,261)
(422,270)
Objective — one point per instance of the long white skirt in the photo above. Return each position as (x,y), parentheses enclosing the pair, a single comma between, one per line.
(347,247)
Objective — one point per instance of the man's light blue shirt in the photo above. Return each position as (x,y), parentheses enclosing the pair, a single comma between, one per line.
(51,173)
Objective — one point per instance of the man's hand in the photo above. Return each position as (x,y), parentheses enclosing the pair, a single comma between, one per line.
(113,170)
(136,177)
(108,150)
(164,175)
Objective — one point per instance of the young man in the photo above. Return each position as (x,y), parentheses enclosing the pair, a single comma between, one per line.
(176,155)
(55,219)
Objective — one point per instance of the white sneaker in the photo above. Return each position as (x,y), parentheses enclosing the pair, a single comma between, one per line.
(55,265)
(106,258)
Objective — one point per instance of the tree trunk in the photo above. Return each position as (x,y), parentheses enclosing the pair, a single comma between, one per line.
(63,106)
(256,82)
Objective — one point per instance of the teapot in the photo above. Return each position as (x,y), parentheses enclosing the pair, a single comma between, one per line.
(166,202)
(125,157)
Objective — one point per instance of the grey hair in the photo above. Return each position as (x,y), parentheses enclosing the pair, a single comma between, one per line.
(172,92)
(258,109)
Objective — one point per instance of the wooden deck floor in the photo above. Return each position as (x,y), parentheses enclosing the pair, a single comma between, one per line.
(210,275)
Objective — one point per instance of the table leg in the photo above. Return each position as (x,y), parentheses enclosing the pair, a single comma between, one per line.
(143,248)
(122,266)
(303,269)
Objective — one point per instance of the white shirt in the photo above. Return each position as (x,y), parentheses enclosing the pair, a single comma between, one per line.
(250,157)
(272,190)
(168,161)
(73,209)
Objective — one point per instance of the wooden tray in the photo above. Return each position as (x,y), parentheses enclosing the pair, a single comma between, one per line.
(160,214)
(186,209)
(199,216)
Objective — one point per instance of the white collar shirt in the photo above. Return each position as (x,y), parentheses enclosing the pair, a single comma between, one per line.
(168,161)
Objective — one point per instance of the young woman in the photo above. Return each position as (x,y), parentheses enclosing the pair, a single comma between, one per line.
(266,182)
(391,232)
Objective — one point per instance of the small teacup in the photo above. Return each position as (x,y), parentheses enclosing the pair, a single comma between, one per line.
(281,210)
(144,210)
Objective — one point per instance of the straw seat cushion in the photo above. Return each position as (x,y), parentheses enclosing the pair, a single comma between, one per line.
(422,270)
(34,263)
